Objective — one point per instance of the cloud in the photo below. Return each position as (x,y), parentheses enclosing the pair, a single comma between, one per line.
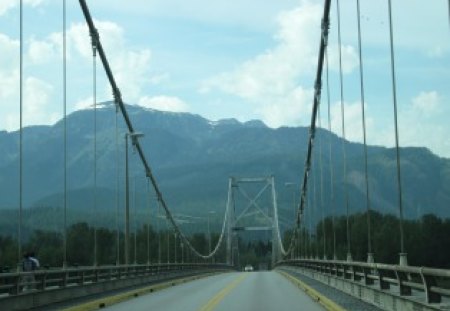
(270,81)
(353,121)
(36,105)
(41,52)
(37,92)
(6,5)
(350,59)
(164,103)
(422,123)
(9,61)
(86,103)
(131,67)
(426,102)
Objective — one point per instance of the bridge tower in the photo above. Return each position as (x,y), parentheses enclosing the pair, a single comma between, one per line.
(236,215)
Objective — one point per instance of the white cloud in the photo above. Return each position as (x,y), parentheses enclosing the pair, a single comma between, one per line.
(353,121)
(164,103)
(350,59)
(9,73)
(85,103)
(422,123)
(41,52)
(37,93)
(131,67)
(270,80)
(6,5)
(36,105)
(426,102)
(292,109)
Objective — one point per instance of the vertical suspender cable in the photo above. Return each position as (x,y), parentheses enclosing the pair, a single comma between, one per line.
(333,211)
(158,226)
(361,79)
(65,131)
(310,251)
(117,185)
(341,81)
(19,233)
(397,149)
(315,208)
(148,220)
(322,206)
(168,240)
(135,204)
(94,91)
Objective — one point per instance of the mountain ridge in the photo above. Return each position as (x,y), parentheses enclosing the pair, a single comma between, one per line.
(192,158)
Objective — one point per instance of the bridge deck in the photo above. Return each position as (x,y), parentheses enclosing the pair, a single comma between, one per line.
(231,291)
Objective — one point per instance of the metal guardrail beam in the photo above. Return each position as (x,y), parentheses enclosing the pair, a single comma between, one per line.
(434,283)
(42,280)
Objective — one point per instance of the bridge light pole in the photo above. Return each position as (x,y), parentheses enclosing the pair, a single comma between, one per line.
(134,136)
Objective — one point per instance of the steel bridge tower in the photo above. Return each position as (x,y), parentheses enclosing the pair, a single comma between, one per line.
(234,217)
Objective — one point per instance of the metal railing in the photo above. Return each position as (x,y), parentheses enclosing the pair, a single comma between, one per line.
(434,283)
(41,280)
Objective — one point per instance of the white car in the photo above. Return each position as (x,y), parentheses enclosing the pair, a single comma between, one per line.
(248,268)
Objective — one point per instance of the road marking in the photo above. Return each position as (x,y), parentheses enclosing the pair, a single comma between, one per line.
(321,299)
(211,304)
(115,299)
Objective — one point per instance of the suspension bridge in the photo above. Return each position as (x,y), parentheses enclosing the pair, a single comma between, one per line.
(311,269)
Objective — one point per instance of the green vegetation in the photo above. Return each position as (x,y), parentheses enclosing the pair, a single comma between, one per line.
(48,246)
(426,240)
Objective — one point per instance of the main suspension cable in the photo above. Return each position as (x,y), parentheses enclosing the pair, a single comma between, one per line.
(317,94)
(136,143)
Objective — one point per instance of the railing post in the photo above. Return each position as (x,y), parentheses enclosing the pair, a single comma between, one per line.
(344,271)
(16,289)
(44,281)
(355,275)
(384,285)
(401,277)
(428,282)
(367,273)
(81,280)
(64,280)
(338,271)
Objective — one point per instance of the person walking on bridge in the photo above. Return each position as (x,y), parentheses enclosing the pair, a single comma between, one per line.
(29,264)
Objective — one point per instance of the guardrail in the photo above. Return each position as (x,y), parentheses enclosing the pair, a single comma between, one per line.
(434,284)
(41,280)
(26,290)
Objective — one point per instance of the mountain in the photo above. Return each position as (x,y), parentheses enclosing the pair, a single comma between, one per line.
(193,157)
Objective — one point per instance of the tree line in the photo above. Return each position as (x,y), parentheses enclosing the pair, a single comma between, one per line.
(427,240)
(146,245)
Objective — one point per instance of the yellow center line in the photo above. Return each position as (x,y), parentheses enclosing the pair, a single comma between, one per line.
(211,304)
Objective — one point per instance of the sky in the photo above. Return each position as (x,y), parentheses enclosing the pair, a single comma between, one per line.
(246,59)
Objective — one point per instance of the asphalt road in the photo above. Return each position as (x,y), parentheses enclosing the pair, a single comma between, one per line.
(247,291)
